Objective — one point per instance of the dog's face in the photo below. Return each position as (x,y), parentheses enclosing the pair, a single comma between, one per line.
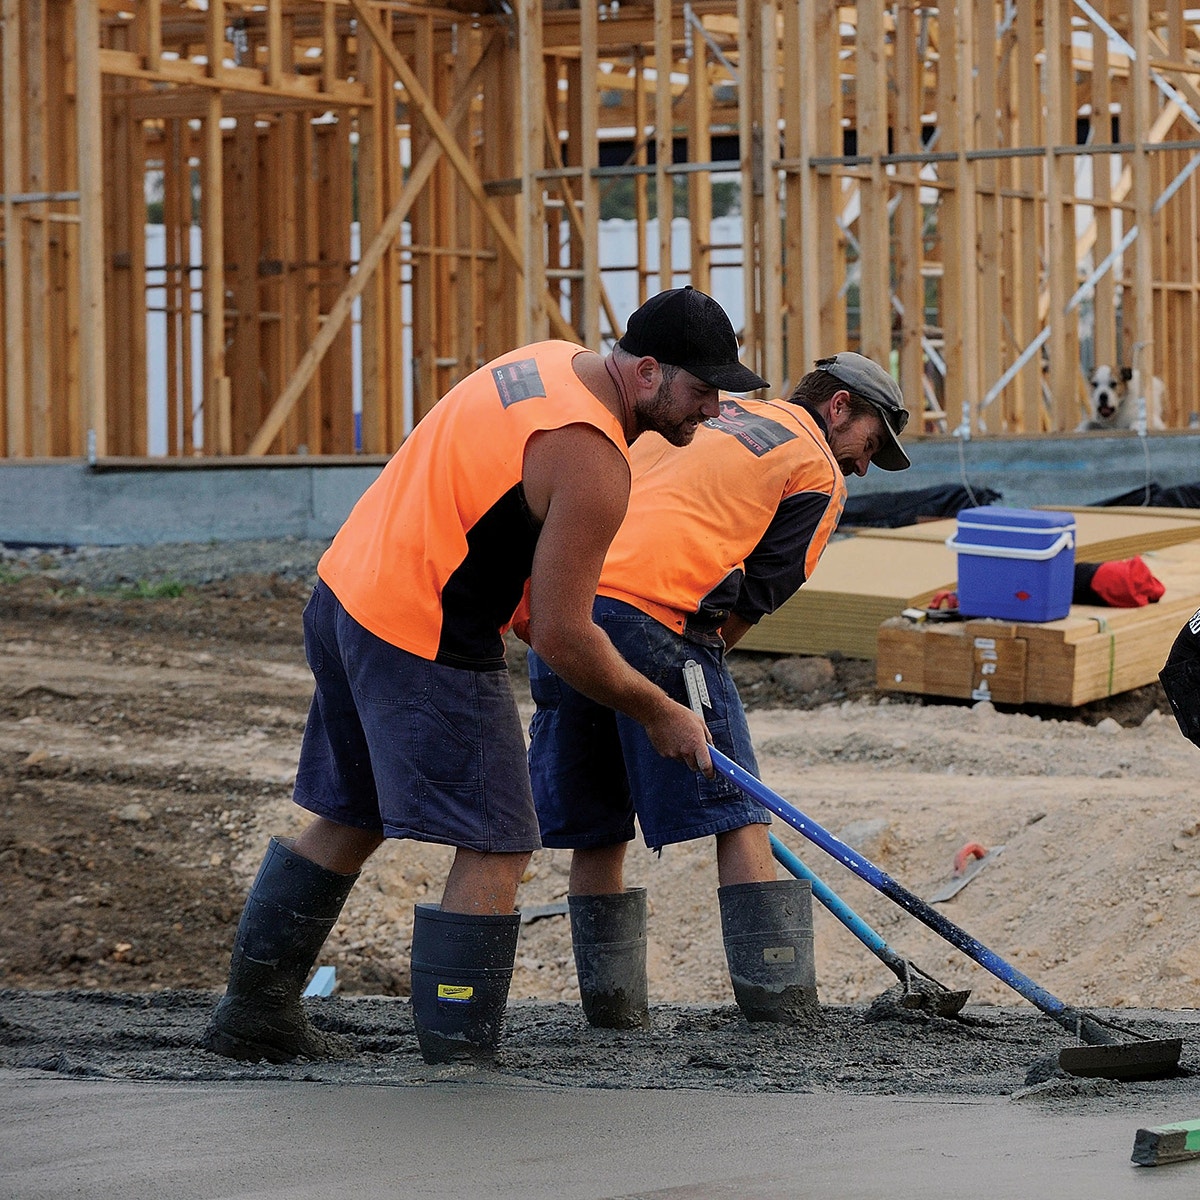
(1108,391)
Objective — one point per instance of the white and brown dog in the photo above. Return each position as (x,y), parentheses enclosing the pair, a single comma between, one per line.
(1114,400)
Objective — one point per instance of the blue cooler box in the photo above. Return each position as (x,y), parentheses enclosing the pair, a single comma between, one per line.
(1014,564)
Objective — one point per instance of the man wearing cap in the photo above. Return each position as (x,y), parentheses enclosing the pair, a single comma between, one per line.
(519,475)
(714,539)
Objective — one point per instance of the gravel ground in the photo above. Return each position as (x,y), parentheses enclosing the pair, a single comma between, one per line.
(149,728)
(101,567)
(849,1050)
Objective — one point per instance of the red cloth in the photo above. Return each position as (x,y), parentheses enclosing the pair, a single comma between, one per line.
(1126,584)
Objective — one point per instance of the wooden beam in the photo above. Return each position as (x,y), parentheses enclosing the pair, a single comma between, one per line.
(804,274)
(41,339)
(531,140)
(274,43)
(215,40)
(374,144)
(389,229)
(988,208)
(664,130)
(424,105)
(1142,350)
(871,111)
(15,318)
(423,223)
(217,431)
(1060,230)
(89,141)
(828,264)
(700,150)
(581,229)
(750,153)
(641,205)
(1103,301)
(1025,315)
(771,245)
(589,188)
(910,286)
(151,13)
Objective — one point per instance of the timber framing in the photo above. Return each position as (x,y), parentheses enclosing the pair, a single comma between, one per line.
(288,227)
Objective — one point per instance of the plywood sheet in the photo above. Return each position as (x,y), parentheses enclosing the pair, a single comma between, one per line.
(1100,534)
(866,579)
(858,584)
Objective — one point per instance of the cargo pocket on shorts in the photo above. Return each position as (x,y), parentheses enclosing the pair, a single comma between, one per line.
(717,790)
(447,749)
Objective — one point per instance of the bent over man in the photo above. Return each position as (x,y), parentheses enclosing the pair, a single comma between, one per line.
(714,539)
(520,473)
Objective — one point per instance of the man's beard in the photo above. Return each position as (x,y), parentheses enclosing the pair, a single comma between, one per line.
(657,417)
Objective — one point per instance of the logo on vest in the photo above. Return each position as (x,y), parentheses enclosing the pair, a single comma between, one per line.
(757,433)
(516,381)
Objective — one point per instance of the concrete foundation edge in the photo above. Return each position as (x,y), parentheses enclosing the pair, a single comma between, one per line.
(68,503)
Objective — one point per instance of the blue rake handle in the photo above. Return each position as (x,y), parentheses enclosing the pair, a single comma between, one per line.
(1087,1027)
(895,963)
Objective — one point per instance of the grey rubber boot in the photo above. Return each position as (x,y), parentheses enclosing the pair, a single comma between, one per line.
(608,935)
(462,965)
(769,948)
(292,906)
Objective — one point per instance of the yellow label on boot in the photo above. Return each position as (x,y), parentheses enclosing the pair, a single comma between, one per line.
(456,993)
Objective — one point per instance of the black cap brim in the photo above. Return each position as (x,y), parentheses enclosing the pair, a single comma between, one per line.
(890,456)
(729,377)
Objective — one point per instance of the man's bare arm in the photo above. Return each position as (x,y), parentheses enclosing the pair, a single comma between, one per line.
(577,483)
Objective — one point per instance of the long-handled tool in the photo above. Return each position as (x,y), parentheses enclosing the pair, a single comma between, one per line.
(921,990)
(1102,1055)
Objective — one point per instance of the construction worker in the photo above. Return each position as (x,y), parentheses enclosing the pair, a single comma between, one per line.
(1180,678)
(519,475)
(714,539)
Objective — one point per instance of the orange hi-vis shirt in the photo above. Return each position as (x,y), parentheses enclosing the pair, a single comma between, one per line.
(434,556)
(735,522)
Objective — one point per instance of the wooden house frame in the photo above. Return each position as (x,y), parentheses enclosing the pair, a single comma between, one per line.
(373,197)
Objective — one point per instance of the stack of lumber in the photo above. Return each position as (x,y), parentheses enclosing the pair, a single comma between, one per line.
(858,584)
(853,603)
(1091,653)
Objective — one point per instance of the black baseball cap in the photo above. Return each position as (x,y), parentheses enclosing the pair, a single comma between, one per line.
(868,381)
(689,329)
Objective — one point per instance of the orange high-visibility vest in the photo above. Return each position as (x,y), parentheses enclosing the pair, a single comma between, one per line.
(434,556)
(735,522)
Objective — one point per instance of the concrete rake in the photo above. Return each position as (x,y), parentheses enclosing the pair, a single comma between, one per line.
(1103,1054)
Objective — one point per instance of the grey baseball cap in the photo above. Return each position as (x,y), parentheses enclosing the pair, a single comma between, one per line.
(868,381)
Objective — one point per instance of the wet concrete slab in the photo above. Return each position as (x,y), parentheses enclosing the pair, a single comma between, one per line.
(483,1134)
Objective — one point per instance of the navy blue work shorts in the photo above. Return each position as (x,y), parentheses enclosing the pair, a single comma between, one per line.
(410,748)
(593,769)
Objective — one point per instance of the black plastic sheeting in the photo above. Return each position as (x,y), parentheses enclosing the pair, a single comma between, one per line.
(890,510)
(1154,495)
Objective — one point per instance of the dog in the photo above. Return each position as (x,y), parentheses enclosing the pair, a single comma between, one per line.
(1114,400)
